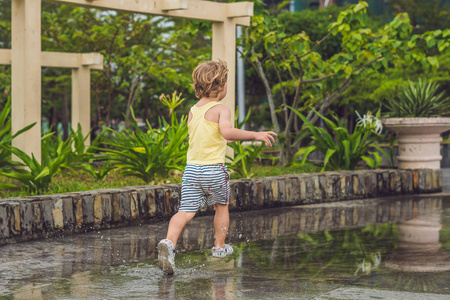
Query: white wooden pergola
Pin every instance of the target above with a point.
(27, 59)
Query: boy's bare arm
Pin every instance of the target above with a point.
(235, 134)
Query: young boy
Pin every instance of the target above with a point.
(205, 179)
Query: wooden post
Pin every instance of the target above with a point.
(81, 100)
(26, 74)
(224, 47)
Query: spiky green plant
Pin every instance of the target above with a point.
(419, 99)
(151, 154)
(34, 176)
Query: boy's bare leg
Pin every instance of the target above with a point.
(176, 225)
(221, 224)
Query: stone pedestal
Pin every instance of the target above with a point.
(418, 141)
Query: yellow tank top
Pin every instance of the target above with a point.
(206, 145)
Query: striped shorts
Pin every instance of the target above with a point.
(204, 184)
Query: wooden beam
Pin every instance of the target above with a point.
(5, 56)
(239, 9)
(173, 4)
(196, 9)
(61, 60)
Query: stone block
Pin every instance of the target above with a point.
(415, 181)
(428, 186)
(439, 179)
(68, 213)
(317, 194)
(252, 195)
(38, 223)
(160, 196)
(47, 214)
(14, 218)
(125, 206)
(175, 197)
(349, 188)
(302, 189)
(26, 218)
(260, 191)
(57, 211)
(333, 186)
(289, 191)
(134, 205)
(274, 184)
(371, 183)
(295, 190)
(107, 215)
(395, 182)
(407, 181)
(281, 190)
(88, 209)
(323, 187)
(310, 190)
(4, 224)
(143, 204)
(78, 210)
(116, 208)
(383, 182)
(241, 194)
(151, 200)
(98, 209)
(421, 182)
(268, 193)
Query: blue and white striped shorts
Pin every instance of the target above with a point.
(204, 184)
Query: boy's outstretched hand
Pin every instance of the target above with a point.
(267, 137)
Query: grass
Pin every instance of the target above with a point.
(77, 181)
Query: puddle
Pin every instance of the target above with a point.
(321, 251)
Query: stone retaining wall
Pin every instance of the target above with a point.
(54, 215)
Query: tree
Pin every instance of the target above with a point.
(306, 80)
(425, 15)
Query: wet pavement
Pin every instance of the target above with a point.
(387, 248)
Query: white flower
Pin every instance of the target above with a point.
(370, 120)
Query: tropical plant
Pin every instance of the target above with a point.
(84, 157)
(5, 135)
(343, 150)
(34, 176)
(148, 155)
(419, 99)
(245, 155)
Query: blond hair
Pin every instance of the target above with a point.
(209, 78)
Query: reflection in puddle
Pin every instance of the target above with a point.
(279, 253)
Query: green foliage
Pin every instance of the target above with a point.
(419, 99)
(34, 176)
(305, 79)
(148, 155)
(5, 135)
(245, 155)
(342, 150)
(425, 15)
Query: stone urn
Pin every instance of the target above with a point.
(419, 141)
